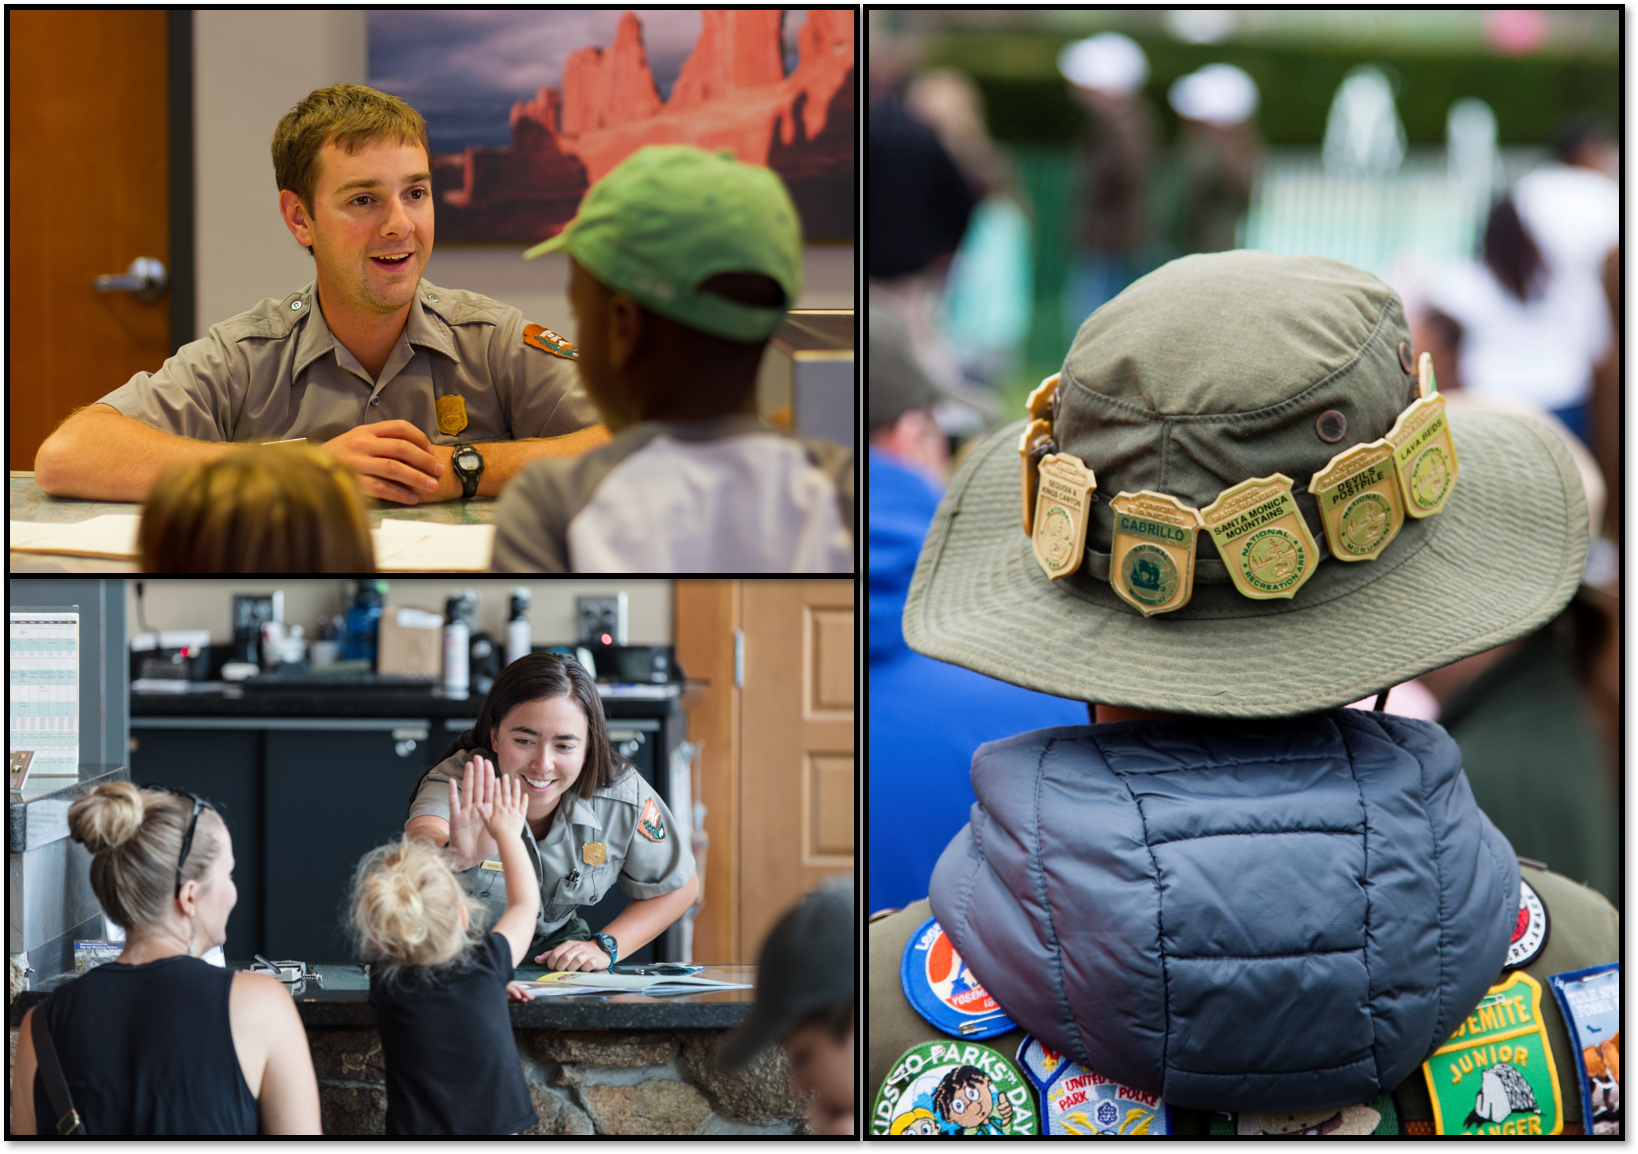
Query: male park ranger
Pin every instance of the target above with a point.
(426, 393)
(1230, 905)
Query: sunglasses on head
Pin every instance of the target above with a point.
(199, 803)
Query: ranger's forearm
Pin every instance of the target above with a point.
(100, 454)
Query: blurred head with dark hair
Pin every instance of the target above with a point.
(1582, 139)
(1511, 253)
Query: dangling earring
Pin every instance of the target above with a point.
(190, 933)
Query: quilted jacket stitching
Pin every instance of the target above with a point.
(1038, 869)
(1364, 885)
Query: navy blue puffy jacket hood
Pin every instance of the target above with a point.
(1262, 915)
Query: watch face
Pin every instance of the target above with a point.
(468, 459)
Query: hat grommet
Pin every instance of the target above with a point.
(1331, 426)
(1406, 361)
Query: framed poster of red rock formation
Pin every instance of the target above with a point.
(526, 108)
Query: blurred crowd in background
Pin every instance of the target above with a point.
(1025, 167)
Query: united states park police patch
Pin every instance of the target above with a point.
(1075, 1100)
(1495, 1075)
(1529, 930)
(944, 991)
(953, 1088)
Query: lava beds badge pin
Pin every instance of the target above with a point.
(953, 1088)
(1496, 1073)
(1591, 1001)
(943, 990)
(1075, 1100)
(1424, 456)
(1264, 541)
(547, 341)
(1067, 490)
(1151, 564)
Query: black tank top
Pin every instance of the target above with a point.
(148, 1050)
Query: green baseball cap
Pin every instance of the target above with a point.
(1224, 370)
(671, 216)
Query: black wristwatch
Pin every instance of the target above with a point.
(468, 464)
(610, 946)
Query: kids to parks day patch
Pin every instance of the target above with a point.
(943, 990)
(1075, 1100)
(547, 341)
(1529, 929)
(953, 1087)
(1495, 1075)
(1591, 1001)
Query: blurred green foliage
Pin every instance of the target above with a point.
(1028, 102)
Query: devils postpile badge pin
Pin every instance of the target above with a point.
(1075, 1100)
(1151, 564)
(943, 990)
(1062, 507)
(1496, 1073)
(953, 1088)
(1265, 543)
(1359, 501)
(1529, 929)
(1424, 456)
(1591, 1001)
(547, 341)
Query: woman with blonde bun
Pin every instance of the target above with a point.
(439, 985)
(159, 1041)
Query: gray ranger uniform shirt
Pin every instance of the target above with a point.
(644, 847)
(276, 372)
(730, 494)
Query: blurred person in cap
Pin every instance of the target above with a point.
(805, 1002)
(1229, 905)
(1220, 151)
(984, 309)
(683, 263)
(1108, 72)
(926, 717)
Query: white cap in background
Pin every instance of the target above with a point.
(1219, 94)
(1108, 62)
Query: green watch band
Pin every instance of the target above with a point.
(610, 946)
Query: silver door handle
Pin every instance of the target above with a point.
(146, 279)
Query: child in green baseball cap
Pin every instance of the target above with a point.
(682, 264)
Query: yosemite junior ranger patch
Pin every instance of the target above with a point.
(953, 1088)
(1151, 563)
(943, 990)
(1075, 1100)
(1265, 543)
(1496, 1075)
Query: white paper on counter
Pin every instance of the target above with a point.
(403, 546)
(110, 535)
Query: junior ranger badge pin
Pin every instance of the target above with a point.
(1264, 541)
(1424, 456)
(1151, 563)
(1061, 511)
(1359, 501)
(1034, 443)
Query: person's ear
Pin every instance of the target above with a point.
(295, 217)
(625, 332)
(188, 897)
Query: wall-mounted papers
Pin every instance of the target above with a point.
(44, 688)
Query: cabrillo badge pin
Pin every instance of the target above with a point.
(1423, 454)
(1151, 566)
(1359, 501)
(594, 853)
(1265, 543)
(1061, 511)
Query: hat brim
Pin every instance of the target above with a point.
(555, 244)
(1500, 561)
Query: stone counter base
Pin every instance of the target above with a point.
(582, 1082)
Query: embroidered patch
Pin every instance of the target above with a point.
(1591, 1001)
(650, 824)
(1075, 1100)
(944, 991)
(1374, 1117)
(1529, 930)
(1496, 1073)
(547, 341)
(594, 853)
(953, 1088)
(451, 414)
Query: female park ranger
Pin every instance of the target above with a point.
(592, 818)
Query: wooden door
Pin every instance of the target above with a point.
(797, 776)
(87, 144)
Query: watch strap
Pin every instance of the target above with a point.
(610, 946)
(469, 481)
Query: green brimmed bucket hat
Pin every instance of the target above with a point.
(1243, 497)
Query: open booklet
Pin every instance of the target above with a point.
(569, 982)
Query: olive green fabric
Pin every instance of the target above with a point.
(573, 930)
(1584, 931)
(1537, 766)
(1212, 370)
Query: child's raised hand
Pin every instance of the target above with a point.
(509, 808)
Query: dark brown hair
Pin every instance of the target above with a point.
(538, 677)
(1511, 253)
(835, 1019)
(263, 509)
(347, 114)
(955, 1080)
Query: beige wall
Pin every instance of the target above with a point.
(177, 604)
(250, 67)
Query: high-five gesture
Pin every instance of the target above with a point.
(470, 806)
(508, 810)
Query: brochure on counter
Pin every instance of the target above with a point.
(655, 986)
